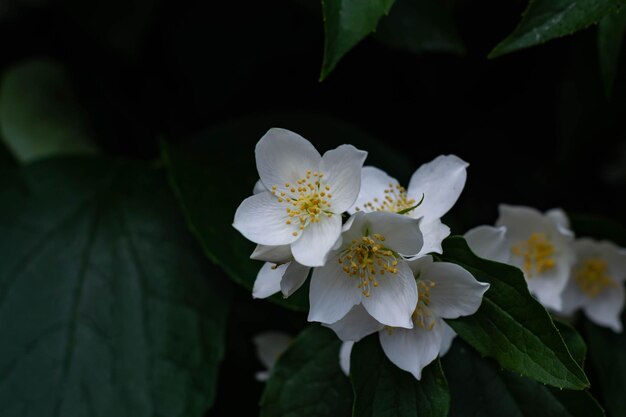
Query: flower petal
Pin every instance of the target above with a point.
(548, 288)
(283, 157)
(332, 293)
(412, 349)
(259, 187)
(402, 233)
(277, 254)
(267, 281)
(342, 170)
(441, 182)
(572, 298)
(374, 182)
(434, 232)
(344, 357)
(455, 292)
(606, 308)
(489, 242)
(446, 338)
(393, 301)
(294, 277)
(559, 217)
(355, 325)
(270, 345)
(262, 219)
(316, 241)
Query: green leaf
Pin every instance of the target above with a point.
(211, 180)
(383, 389)
(39, 114)
(544, 20)
(510, 325)
(479, 388)
(607, 353)
(346, 23)
(574, 341)
(307, 380)
(107, 307)
(610, 35)
(420, 26)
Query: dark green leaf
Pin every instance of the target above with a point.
(383, 390)
(217, 171)
(346, 23)
(544, 20)
(610, 35)
(39, 115)
(607, 353)
(480, 388)
(107, 306)
(574, 341)
(420, 26)
(307, 380)
(511, 326)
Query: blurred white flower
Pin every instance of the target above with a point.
(304, 198)
(438, 182)
(368, 267)
(279, 273)
(539, 244)
(596, 284)
(269, 347)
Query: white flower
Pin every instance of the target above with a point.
(280, 273)
(306, 194)
(438, 182)
(539, 244)
(269, 347)
(446, 291)
(369, 268)
(597, 283)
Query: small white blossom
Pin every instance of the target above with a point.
(439, 183)
(596, 284)
(304, 197)
(269, 347)
(280, 273)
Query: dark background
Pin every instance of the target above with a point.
(534, 125)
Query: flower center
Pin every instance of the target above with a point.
(422, 317)
(592, 277)
(395, 200)
(537, 253)
(306, 200)
(367, 258)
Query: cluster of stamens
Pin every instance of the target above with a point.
(422, 317)
(395, 200)
(306, 200)
(366, 259)
(592, 277)
(537, 253)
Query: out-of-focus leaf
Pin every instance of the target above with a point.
(346, 23)
(39, 115)
(307, 380)
(610, 36)
(383, 389)
(420, 26)
(510, 325)
(544, 20)
(107, 305)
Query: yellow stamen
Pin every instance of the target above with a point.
(537, 253)
(592, 277)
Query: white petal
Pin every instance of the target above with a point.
(344, 357)
(434, 232)
(412, 349)
(572, 298)
(355, 325)
(613, 255)
(441, 182)
(259, 187)
(342, 170)
(294, 277)
(489, 242)
(374, 182)
(606, 308)
(270, 345)
(262, 376)
(521, 222)
(446, 339)
(267, 281)
(559, 217)
(392, 303)
(262, 219)
(283, 157)
(276, 254)
(456, 292)
(332, 293)
(316, 241)
(402, 233)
